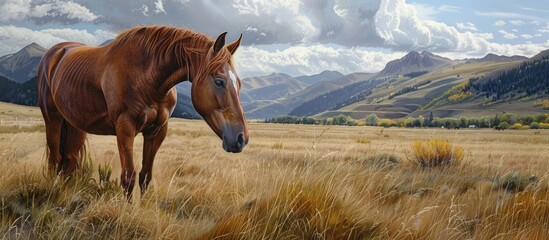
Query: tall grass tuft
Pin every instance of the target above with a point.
(435, 153)
(299, 211)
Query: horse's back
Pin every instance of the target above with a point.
(46, 69)
(68, 82)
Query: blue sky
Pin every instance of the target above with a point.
(520, 18)
(299, 37)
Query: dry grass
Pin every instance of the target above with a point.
(435, 153)
(291, 182)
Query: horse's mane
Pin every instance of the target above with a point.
(168, 44)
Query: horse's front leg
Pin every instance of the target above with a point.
(125, 134)
(152, 141)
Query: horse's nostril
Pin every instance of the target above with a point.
(240, 140)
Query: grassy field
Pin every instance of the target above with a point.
(291, 182)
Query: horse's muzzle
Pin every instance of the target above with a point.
(234, 144)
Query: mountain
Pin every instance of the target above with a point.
(284, 105)
(471, 89)
(184, 108)
(541, 55)
(497, 58)
(323, 76)
(528, 80)
(23, 65)
(414, 62)
(252, 83)
(270, 87)
(6, 86)
(106, 42)
(337, 98)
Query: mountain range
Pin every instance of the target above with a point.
(22, 66)
(416, 84)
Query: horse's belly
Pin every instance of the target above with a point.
(86, 111)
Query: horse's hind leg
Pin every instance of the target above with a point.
(72, 148)
(53, 122)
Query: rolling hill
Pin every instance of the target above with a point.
(284, 105)
(497, 58)
(473, 88)
(326, 75)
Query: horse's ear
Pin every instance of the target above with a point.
(219, 42)
(234, 45)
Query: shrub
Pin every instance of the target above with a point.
(503, 125)
(387, 123)
(515, 181)
(534, 125)
(519, 126)
(382, 161)
(435, 153)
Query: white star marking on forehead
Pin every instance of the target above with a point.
(233, 79)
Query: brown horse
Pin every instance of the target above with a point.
(127, 87)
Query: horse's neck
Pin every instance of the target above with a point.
(177, 70)
(179, 75)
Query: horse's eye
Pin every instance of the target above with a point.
(219, 82)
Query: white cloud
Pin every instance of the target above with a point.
(14, 10)
(507, 35)
(526, 36)
(15, 38)
(467, 26)
(508, 15)
(399, 25)
(517, 22)
(39, 11)
(535, 10)
(74, 11)
(500, 23)
(544, 29)
(312, 59)
(159, 7)
(19, 10)
(486, 36)
(527, 50)
(424, 11)
(144, 9)
(449, 8)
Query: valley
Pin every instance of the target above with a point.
(418, 84)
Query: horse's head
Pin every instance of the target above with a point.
(215, 95)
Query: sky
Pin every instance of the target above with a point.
(298, 37)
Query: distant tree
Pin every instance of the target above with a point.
(416, 122)
(430, 120)
(371, 120)
(463, 122)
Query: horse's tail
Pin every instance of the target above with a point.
(72, 148)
